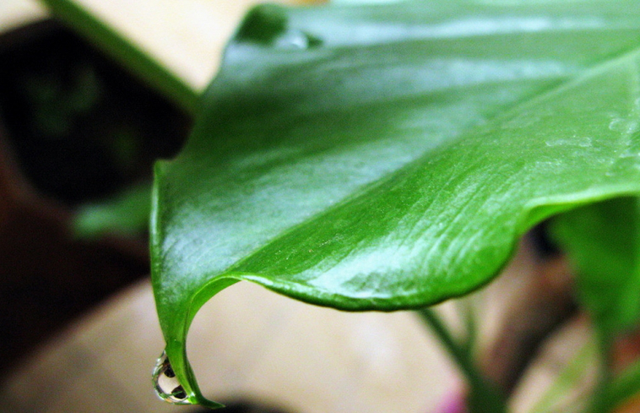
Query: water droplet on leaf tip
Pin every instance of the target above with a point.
(166, 384)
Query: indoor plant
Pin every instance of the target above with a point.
(387, 157)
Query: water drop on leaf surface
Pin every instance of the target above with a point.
(296, 39)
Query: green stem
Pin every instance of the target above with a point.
(605, 377)
(122, 50)
(575, 371)
(465, 308)
(484, 397)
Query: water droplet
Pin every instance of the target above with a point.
(269, 25)
(296, 39)
(166, 384)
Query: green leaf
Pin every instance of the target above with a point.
(602, 240)
(388, 157)
(127, 213)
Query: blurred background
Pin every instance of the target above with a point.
(78, 138)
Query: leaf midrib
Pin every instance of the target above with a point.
(362, 191)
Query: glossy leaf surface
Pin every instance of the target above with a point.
(388, 157)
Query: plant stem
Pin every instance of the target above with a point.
(466, 309)
(571, 374)
(125, 52)
(483, 397)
